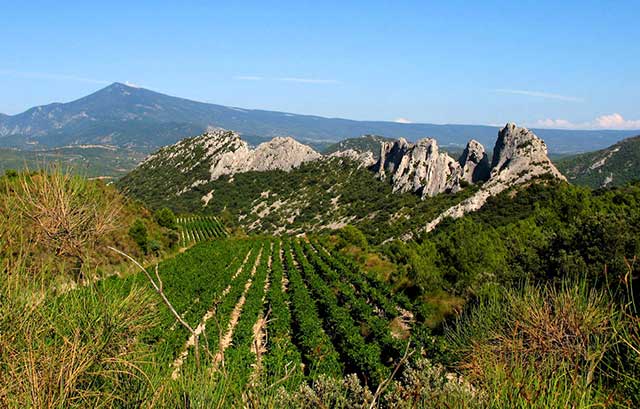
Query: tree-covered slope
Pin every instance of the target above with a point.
(614, 166)
(321, 194)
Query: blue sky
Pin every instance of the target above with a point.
(571, 64)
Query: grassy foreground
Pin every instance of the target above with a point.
(290, 323)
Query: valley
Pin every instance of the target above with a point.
(346, 278)
(319, 205)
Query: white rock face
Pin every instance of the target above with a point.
(519, 155)
(222, 152)
(418, 167)
(279, 153)
(474, 163)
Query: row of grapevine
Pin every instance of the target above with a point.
(319, 355)
(238, 358)
(358, 355)
(310, 312)
(377, 291)
(194, 229)
(230, 302)
(283, 357)
(210, 318)
(192, 281)
(373, 327)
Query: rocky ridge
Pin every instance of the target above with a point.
(219, 152)
(365, 159)
(518, 156)
(283, 153)
(421, 167)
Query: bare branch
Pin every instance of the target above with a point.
(158, 290)
(385, 384)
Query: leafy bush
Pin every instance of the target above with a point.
(350, 235)
(139, 234)
(166, 218)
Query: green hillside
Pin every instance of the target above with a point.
(319, 195)
(615, 166)
(365, 143)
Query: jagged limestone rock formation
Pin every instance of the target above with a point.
(419, 167)
(474, 163)
(217, 152)
(519, 155)
(283, 153)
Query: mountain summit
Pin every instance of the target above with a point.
(519, 156)
(219, 152)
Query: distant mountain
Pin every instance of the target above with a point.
(131, 117)
(614, 166)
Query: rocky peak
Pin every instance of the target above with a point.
(418, 167)
(284, 153)
(474, 163)
(519, 144)
(217, 152)
(519, 156)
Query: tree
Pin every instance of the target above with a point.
(138, 233)
(166, 218)
(352, 236)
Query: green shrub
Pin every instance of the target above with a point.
(166, 218)
(139, 234)
(350, 235)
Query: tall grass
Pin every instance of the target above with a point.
(543, 346)
(73, 350)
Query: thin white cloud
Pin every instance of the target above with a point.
(403, 121)
(50, 76)
(247, 78)
(538, 94)
(610, 121)
(308, 80)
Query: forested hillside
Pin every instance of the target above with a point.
(318, 195)
(614, 166)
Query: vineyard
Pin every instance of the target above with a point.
(274, 311)
(194, 229)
